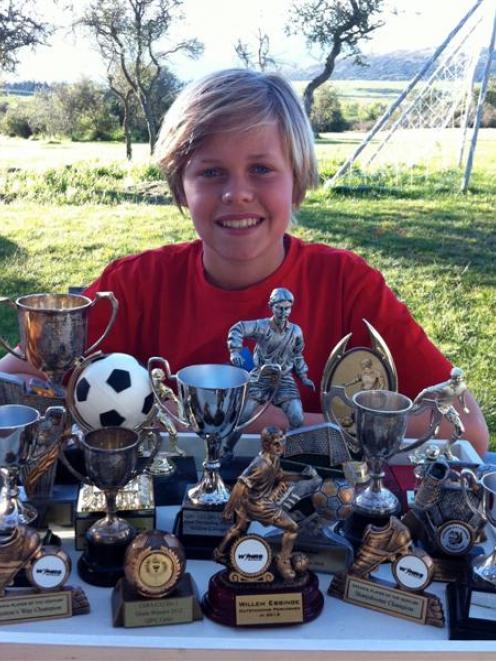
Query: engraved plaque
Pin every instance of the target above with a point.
(277, 608)
(29, 607)
(386, 599)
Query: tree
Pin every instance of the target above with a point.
(18, 28)
(261, 58)
(132, 35)
(336, 27)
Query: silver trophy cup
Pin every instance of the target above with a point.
(381, 418)
(53, 329)
(211, 399)
(483, 566)
(19, 431)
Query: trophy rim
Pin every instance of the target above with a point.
(232, 369)
(24, 407)
(126, 448)
(23, 302)
(492, 475)
(399, 396)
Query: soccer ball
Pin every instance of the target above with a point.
(333, 500)
(113, 391)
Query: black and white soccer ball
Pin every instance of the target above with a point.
(113, 391)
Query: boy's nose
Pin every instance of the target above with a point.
(236, 194)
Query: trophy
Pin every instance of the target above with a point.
(258, 588)
(446, 518)
(472, 602)
(52, 329)
(19, 432)
(111, 459)
(412, 571)
(380, 418)
(47, 569)
(155, 589)
(211, 401)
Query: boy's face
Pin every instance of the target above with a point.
(238, 186)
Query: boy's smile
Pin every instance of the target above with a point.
(238, 186)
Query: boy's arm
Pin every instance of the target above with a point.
(22, 368)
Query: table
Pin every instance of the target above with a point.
(342, 631)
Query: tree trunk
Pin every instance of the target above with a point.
(329, 64)
(127, 132)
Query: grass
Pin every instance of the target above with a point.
(63, 220)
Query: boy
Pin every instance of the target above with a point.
(237, 151)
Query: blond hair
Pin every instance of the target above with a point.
(233, 100)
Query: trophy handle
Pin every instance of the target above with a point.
(274, 371)
(115, 307)
(160, 391)
(436, 416)
(339, 392)
(469, 481)
(144, 462)
(57, 416)
(19, 352)
(63, 458)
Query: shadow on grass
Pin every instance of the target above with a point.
(7, 249)
(420, 236)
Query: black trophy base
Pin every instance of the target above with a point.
(102, 564)
(262, 604)
(200, 529)
(354, 526)
(471, 610)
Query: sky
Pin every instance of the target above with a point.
(419, 24)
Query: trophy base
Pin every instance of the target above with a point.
(129, 609)
(262, 604)
(28, 606)
(354, 526)
(102, 564)
(200, 529)
(378, 595)
(471, 610)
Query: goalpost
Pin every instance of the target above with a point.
(428, 125)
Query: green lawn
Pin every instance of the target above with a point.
(436, 248)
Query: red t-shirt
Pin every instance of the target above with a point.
(168, 308)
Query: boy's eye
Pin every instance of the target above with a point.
(260, 169)
(210, 172)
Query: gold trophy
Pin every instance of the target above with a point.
(155, 589)
(257, 588)
(412, 571)
(53, 330)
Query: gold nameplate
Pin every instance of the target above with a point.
(156, 612)
(278, 608)
(28, 607)
(392, 601)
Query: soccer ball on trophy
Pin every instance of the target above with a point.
(111, 390)
(333, 500)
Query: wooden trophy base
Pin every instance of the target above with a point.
(385, 597)
(200, 529)
(471, 610)
(102, 564)
(262, 604)
(129, 609)
(28, 606)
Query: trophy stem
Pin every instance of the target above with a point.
(12, 511)
(211, 489)
(376, 499)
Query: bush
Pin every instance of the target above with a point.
(16, 122)
(326, 115)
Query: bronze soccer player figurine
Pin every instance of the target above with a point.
(280, 342)
(257, 495)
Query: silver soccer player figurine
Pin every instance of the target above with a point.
(280, 342)
(445, 394)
